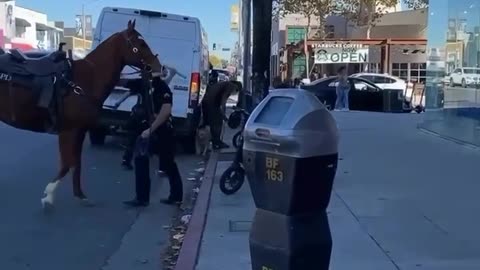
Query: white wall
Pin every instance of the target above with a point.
(32, 17)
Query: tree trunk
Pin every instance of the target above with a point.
(369, 31)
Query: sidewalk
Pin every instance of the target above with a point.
(402, 199)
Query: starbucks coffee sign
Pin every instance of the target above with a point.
(340, 53)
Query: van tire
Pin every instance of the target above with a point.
(190, 144)
(97, 136)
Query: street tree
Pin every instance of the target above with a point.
(416, 4)
(368, 12)
(317, 10)
(215, 60)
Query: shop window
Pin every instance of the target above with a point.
(373, 68)
(418, 72)
(400, 70)
(20, 31)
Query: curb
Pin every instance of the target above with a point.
(187, 259)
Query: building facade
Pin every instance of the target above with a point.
(27, 29)
(453, 69)
(406, 60)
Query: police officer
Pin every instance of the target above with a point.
(159, 139)
(213, 109)
(136, 124)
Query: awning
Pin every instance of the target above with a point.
(21, 46)
(43, 27)
(22, 22)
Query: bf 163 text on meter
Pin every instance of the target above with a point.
(273, 170)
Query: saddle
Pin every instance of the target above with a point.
(44, 75)
(20, 64)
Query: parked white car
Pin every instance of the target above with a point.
(386, 81)
(466, 76)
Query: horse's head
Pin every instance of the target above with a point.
(137, 53)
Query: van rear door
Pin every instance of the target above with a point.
(176, 42)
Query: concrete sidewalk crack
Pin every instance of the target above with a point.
(130, 228)
(385, 252)
(437, 226)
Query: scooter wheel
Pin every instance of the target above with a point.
(232, 180)
(236, 140)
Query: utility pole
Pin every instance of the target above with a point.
(246, 54)
(262, 30)
(84, 35)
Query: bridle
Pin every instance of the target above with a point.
(145, 67)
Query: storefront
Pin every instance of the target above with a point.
(453, 105)
(402, 57)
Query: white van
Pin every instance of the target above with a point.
(182, 46)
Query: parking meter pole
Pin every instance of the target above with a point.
(262, 27)
(290, 156)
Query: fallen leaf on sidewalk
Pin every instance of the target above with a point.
(178, 236)
(196, 190)
(201, 178)
(186, 219)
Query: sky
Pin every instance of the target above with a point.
(213, 14)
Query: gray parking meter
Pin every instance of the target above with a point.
(290, 155)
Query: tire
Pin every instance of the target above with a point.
(464, 83)
(97, 136)
(236, 140)
(451, 83)
(232, 180)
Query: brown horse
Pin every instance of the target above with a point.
(92, 80)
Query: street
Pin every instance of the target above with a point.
(458, 96)
(74, 237)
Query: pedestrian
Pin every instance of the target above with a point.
(157, 139)
(213, 77)
(296, 83)
(343, 89)
(213, 109)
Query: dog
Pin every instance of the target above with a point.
(203, 140)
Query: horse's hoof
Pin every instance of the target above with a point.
(47, 204)
(86, 202)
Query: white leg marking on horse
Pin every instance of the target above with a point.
(50, 193)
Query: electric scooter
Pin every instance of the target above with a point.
(232, 178)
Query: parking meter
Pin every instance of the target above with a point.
(290, 155)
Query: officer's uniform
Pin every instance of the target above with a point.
(161, 143)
